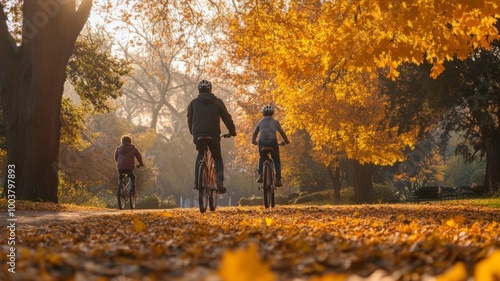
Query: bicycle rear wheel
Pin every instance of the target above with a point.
(212, 194)
(273, 187)
(121, 194)
(132, 199)
(267, 184)
(203, 187)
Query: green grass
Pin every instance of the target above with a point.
(484, 202)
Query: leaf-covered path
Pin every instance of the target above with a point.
(396, 242)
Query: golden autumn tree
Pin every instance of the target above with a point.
(325, 57)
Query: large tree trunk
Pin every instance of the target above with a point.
(492, 176)
(361, 176)
(334, 173)
(32, 77)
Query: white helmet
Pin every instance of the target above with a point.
(268, 109)
(205, 85)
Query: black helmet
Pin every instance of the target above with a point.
(205, 85)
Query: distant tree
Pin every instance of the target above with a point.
(464, 99)
(168, 46)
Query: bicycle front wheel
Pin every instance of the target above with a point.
(203, 187)
(267, 180)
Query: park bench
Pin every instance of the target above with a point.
(434, 193)
(468, 191)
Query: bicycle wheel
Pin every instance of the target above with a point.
(203, 187)
(212, 194)
(121, 194)
(132, 199)
(272, 189)
(267, 184)
(212, 199)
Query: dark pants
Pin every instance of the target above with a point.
(275, 156)
(215, 149)
(129, 173)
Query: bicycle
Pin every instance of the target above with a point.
(269, 177)
(124, 188)
(207, 185)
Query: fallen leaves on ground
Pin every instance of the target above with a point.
(365, 242)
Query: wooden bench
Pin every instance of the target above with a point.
(448, 193)
(434, 193)
(468, 192)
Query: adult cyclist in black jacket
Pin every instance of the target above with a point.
(204, 115)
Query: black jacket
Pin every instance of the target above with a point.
(204, 114)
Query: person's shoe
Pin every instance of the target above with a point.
(278, 183)
(259, 179)
(221, 189)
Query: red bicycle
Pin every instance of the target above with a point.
(207, 185)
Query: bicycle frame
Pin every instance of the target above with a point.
(269, 181)
(206, 182)
(210, 172)
(206, 179)
(269, 177)
(124, 191)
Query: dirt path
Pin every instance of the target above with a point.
(33, 218)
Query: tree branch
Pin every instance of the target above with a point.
(8, 48)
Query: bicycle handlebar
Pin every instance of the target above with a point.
(281, 143)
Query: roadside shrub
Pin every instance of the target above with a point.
(259, 201)
(77, 193)
(315, 197)
(382, 193)
(346, 194)
(280, 200)
(324, 197)
(153, 201)
(168, 203)
(252, 201)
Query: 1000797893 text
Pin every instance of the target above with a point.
(11, 221)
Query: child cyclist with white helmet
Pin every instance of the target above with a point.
(267, 127)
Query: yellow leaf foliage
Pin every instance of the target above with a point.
(244, 265)
(323, 60)
(488, 269)
(457, 273)
(138, 225)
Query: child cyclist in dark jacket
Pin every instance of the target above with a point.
(125, 156)
(267, 127)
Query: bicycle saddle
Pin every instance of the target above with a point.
(205, 139)
(267, 149)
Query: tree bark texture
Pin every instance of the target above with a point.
(32, 76)
(492, 176)
(334, 172)
(361, 176)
